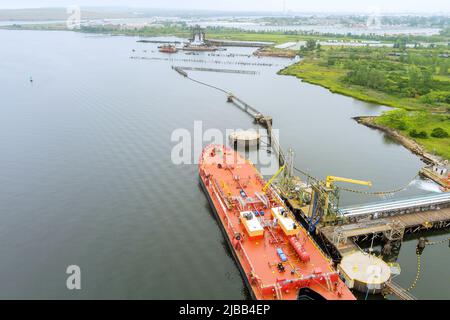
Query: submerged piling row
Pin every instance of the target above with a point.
(241, 63)
(258, 117)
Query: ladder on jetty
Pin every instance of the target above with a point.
(395, 289)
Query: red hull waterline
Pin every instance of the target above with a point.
(276, 256)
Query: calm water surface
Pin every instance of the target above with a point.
(86, 176)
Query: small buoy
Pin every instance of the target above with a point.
(31, 79)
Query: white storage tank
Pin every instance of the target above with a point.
(364, 272)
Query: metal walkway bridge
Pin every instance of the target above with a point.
(389, 219)
(397, 207)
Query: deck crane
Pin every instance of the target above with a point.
(322, 195)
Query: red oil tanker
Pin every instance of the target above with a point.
(276, 256)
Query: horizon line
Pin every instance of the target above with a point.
(289, 12)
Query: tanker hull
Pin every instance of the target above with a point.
(276, 256)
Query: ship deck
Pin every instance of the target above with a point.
(234, 186)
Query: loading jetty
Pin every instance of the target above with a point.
(233, 43)
(171, 59)
(388, 221)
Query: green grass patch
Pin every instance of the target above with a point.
(311, 71)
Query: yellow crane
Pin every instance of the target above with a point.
(323, 191)
(273, 178)
(329, 184)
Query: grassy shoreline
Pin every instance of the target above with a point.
(417, 117)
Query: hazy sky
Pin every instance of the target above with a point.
(253, 5)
